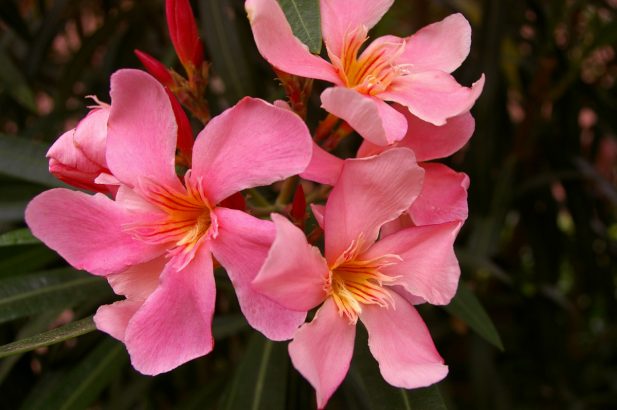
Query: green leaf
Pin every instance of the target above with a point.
(260, 379)
(25, 159)
(25, 259)
(82, 385)
(228, 325)
(305, 21)
(33, 327)
(467, 307)
(48, 338)
(34, 293)
(218, 19)
(14, 82)
(18, 237)
(370, 389)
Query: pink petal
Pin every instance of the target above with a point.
(253, 143)
(241, 248)
(318, 212)
(429, 268)
(321, 351)
(324, 167)
(87, 231)
(174, 325)
(339, 17)
(400, 223)
(443, 197)
(91, 135)
(139, 281)
(113, 319)
(368, 149)
(370, 192)
(402, 345)
(431, 142)
(439, 46)
(69, 164)
(433, 96)
(372, 118)
(294, 273)
(141, 141)
(278, 45)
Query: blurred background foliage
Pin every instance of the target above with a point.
(539, 249)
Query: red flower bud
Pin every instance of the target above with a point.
(156, 68)
(298, 207)
(185, 132)
(236, 201)
(184, 34)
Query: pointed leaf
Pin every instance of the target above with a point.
(261, 377)
(18, 237)
(218, 18)
(24, 159)
(25, 259)
(82, 385)
(49, 338)
(305, 21)
(56, 289)
(14, 82)
(468, 308)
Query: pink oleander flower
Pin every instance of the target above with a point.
(156, 240)
(413, 71)
(78, 156)
(444, 193)
(363, 277)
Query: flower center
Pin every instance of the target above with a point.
(355, 282)
(185, 218)
(374, 70)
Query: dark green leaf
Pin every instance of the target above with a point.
(261, 377)
(467, 307)
(25, 159)
(81, 386)
(370, 389)
(227, 325)
(14, 82)
(25, 259)
(51, 337)
(305, 21)
(18, 237)
(29, 294)
(219, 19)
(9, 13)
(33, 327)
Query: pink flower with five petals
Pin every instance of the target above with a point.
(155, 240)
(413, 71)
(361, 277)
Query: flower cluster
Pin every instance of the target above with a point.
(167, 206)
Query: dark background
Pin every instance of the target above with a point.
(539, 249)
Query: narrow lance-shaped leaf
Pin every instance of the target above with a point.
(49, 338)
(305, 21)
(18, 237)
(24, 159)
(261, 377)
(82, 385)
(468, 308)
(218, 20)
(26, 295)
(14, 82)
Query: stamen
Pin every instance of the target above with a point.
(185, 218)
(374, 70)
(355, 282)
